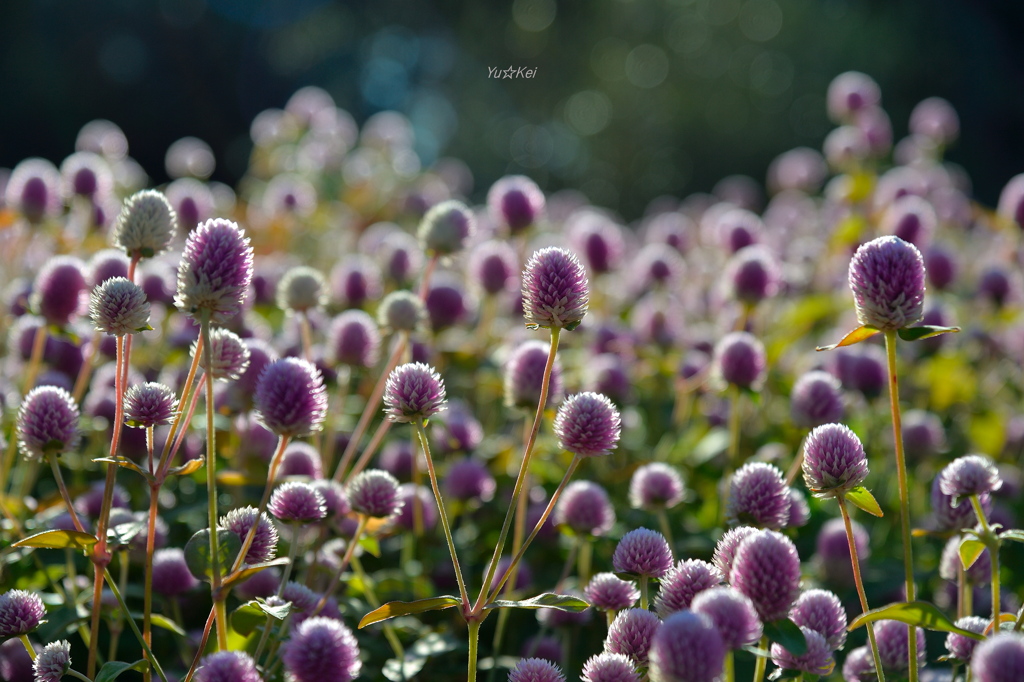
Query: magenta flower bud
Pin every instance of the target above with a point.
(401, 311)
(171, 576)
(458, 430)
(887, 280)
(401, 257)
(47, 423)
(912, 219)
(290, 398)
(119, 307)
(494, 266)
(21, 612)
(995, 285)
(834, 460)
(759, 496)
(631, 633)
(515, 202)
(322, 650)
(90, 503)
(877, 129)
(300, 459)
(1011, 200)
(674, 229)
(396, 458)
(936, 119)
(585, 508)
(34, 189)
(941, 267)
(962, 648)
(296, 502)
(149, 404)
(738, 228)
(821, 611)
(950, 564)
(725, 550)
(535, 670)
(59, 290)
(687, 648)
(15, 663)
(469, 479)
(608, 376)
(656, 486)
(354, 339)
(587, 424)
(413, 392)
(334, 497)
(301, 289)
(145, 227)
(969, 475)
(597, 238)
(264, 542)
(817, 660)
(409, 494)
(850, 92)
(289, 193)
(608, 667)
(682, 583)
(608, 592)
(523, 580)
(53, 662)
(356, 280)
(192, 201)
(107, 264)
(656, 266)
(86, 174)
(446, 305)
(227, 666)
(739, 360)
(446, 227)
(799, 510)
(767, 569)
(643, 552)
(802, 169)
(833, 550)
(556, 292)
(999, 658)
(816, 399)
(732, 613)
(859, 666)
(752, 274)
(524, 373)
(215, 271)
(374, 493)
(893, 639)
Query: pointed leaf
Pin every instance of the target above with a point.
(247, 571)
(862, 498)
(407, 608)
(166, 623)
(548, 600)
(58, 539)
(253, 614)
(918, 613)
(112, 669)
(123, 533)
(1016, 535)
(856, 336)
(371, 545)
(197, 552)
(759, 653)
(125, 464)
(788, 634)
(925, 331)
(188, 467)
(970, 550)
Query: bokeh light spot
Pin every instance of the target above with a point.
(646, 66)
(760, 20)
(771, 73)
(531, 146)
(533, 15)
(588, 112)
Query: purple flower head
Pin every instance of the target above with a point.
(401, 311)
(893, 639)
(656, 266)
(107, 264)
(767, 569)
(302, 598)
(609, 592)
(802, 169)
(631, 634)
(52, 662)
(301, 289)
(494, 266)
(876, 126)
(297, 502)
(759, 496)
(300, 459)
(515, 202)
(887, 280)
(941, 266)
(683, 583)
(15, 663)
(816, 399)
(400, 257)
(738, 228)
(290, 398)
(47, 422)
(413, 392)
(597, 238)
(524, 578)
(673, 229)
(643, 552)
(411, 495)
(458, 430)
(227, 666)
(608, 376)
(21, 612)
(261, 354)
(524, 373)
(834, 460)
(289, 193)
(687, 648)
(119, 307)
(59, 290)
(999, 658)
(192, 201)
(995, 285)
(608, 667)
(469, 479)
(446, 304)
(86, 174)
(833, 550)
(264, 542)
(171, 576)
(322, 650)
(752, 274)
(396, 458)
(969, 475)
(355, 281)
(859, 666)
(732, 613)
(145, 226)
(230, 355)
(821, 611)
(1011, 200)
(817, 660)
(950, 564)
(34, 189)
(556, 292)
(354, 339)
(799, 510)
(961, 647)
(739, 360)
(588, 424)
(656, 486)
(936, 119)
(725, 550)
(446, 227)
(90, 502)
(912, 219)
(585, 508)
(535, 670)
(333, 493)
(923, 434)
(374, 493)
(850, 92)
(215, 271)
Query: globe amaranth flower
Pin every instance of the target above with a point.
(59, 290)
(588, 424)
(923, 433)
(53, 662)
(106, 264)
(297, 502)
(834, 460)
(585, 508)
(355, 280)
(683, 583)
(556, 292)
(494, 266)
(609, 592)
(687, 648)
(887, 280)
(374, 493)
(469, 479)
(515, 202)
(322, 650)
(609, 667)
(732, 613)
(290, 398)
(411, 496)
(950, 564)
(893, 638)
(535, 670)
(758, 495)
(300, 459)
(458, 430)
(1011, 200)
(859, 666)
(401, 311)
(999, 658)
(149, 404)
(47, 422)
(816, 399)
(413, 392)
(817, 660)
(961, 647)
(540, 646)
(227, 666)
(354, 340)
(264, 542)
(656, 486)
(215, 271)
(851, 92)
(119, 307)
(524, 375)
(969, 475)
(145, 226)
(446, 227)
(21, 612)
(631, 634)
(799, 510)
(643, 552)
(821, 611)
(33, 189)
(725, 550)
(739, 360)
(171, 576)
(301, 289)
(767, 569)
(753, 274)
(230, 355)
(950, 517)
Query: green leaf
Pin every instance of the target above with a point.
(788, 634)
(125, 464)
(370, 544)
(59, 539)
(113, 669)
(970, 550)
(407, 608)
(253, 614)
(166, 623)
(856, 336)
(123, 533)
(247, 571)
(197, 552)
(925, 331)
(758, 652)
(188, 467)
(918, 613)
(548, 600)
(862, 498)
(1015, 535)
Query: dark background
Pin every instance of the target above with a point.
(632, 98)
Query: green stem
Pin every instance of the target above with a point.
(59, 478)
(28, 646)
(179, 421)
(733, 453)
(293, 549)
(729, 674)
(761, 663)
(474, 644)
(585, 560)
(211, 489)
(349, 552)
(992, 542)
(666, 530)
(135, 628)
(644, 603)
(859, 581)
(901, 475)
(75, 673)
(371, 448)
(147, 596)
